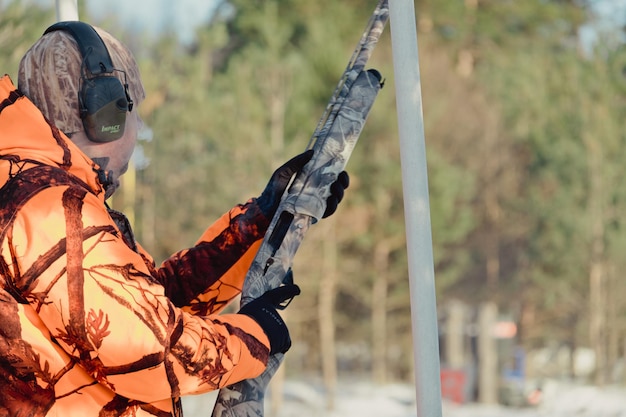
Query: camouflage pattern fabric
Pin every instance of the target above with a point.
(89, 325)
(51, 71)
(333, 141)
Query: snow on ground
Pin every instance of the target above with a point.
(363, 399)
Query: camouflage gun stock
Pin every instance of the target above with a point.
(304, 203)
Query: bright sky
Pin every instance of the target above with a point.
(183, 16)
(151, 16)
(155, 15)
(611, 14)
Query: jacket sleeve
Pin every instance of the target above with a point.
(207, 276)
(100, 303)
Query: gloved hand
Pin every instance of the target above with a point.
(337, 189)
(269, 200)
(263, 311)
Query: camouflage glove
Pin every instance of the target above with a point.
(269, 200)
(263, 311)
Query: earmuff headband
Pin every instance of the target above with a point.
(103, 99)
(95, 54)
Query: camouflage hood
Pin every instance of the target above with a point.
(50, 75)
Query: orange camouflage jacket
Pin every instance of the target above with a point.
(89, 326)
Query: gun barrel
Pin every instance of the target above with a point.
(356, 64)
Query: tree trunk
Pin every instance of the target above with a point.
(487, 355)
(597, 273)
(379, 312)
(455, 350)
(380, 287)
(613, 331)
(597, 320)
(326, 303)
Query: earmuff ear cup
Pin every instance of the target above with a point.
(103, 99)
(103, 108)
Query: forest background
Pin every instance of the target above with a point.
(525, 135)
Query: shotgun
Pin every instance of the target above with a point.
(304, 202)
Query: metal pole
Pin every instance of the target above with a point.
(416, 207)
(66, 10)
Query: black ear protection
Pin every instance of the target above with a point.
(103, 99)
